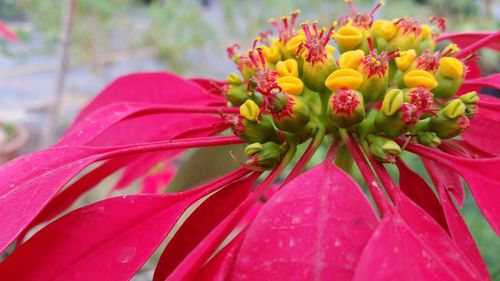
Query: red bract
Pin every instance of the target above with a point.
(7, 33)
(252, 225)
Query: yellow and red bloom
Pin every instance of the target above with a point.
(389, 91)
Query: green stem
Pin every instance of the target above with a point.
(308, 154)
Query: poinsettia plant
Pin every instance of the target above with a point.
(388, 88)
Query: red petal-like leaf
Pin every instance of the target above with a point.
(428, 232)
(69, 195)
(122, 123)
(417, 189)
(140, 165)
(484, 130)
(492, 81)
(314, 228)
(207, 216)
(29, 182)
(443, 176)
(99, 242)
(153, 87)
(7, 33)
(464, 39)
(461, 234)
(212, 87)
(219, 266)
(396, 252)
(480, 174)
(158, 181)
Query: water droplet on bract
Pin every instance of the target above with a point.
(126, 254)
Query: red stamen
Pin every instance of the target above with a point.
(370, 44)
(352, 7)
(377, 6)
(440, 22)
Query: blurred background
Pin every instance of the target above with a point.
(68, 50)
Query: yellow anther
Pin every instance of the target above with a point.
(271, 54)
(392, 102)
(344, 78)
(294, 43)
(426, 31)
(451, 67)
(385, 29)
(348, 37)
(454, 109)
(405, 59)
(351, 59)
(420, 78)
(288, 68)
(291, 84)
(250, 110)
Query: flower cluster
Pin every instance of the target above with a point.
(387, 83)
(386, 89)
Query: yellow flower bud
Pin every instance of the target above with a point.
(351, 59)
(451, 67)
(291, 84)
(385, 29)
(454, 109)
(293, 44)
(271, 54)
(288, 67)
(250, 110)
(392, 102)
(426, 31)
(420, 78)
(344, 78)
(405, 59)
(348, 37)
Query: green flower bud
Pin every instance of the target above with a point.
(428, 139)
(346, 108)
(449, 77)
(237, 94)
(290, 113)
(264, 156)
(253, 131)
(374, 87)
(253, 148)
(392, 102)
(400, 122)
(234, 79)
(470, 98)
(384, 149)
(314, 75)
(450, 121)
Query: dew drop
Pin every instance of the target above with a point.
(127, 254)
